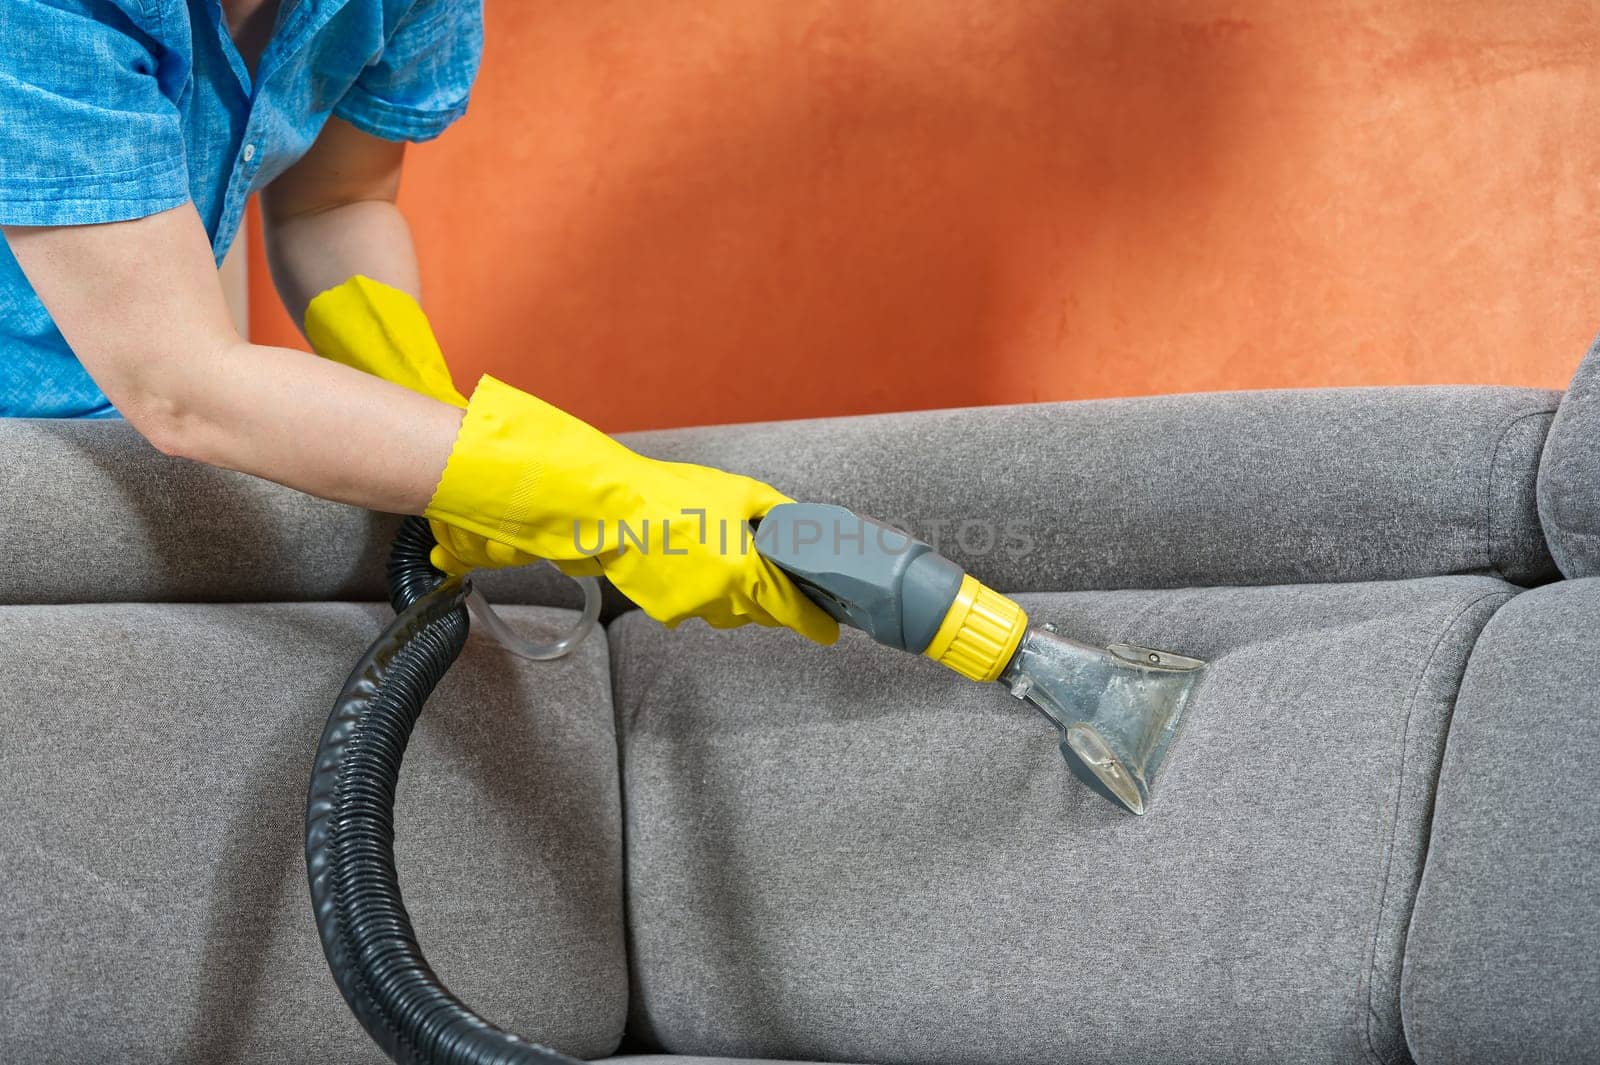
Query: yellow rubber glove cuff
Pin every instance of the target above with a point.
(380, 330)
(672, 536)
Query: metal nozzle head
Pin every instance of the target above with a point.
(1118, 708)
(1129, 787)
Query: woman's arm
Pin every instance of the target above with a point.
(333, 214)
(141, 306)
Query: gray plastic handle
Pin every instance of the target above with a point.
(869, 575)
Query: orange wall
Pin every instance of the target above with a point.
(663, 213)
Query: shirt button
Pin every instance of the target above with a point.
(249, 152)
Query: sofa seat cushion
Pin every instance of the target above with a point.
(154, 904)
(1502, 963)
(851, 854)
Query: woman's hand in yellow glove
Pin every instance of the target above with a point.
(672, 536)
(586, 485)
(380, 330)
(459, 551)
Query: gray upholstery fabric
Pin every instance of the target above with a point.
(1569, 478)
(1242, 488)
(1502, 964)
(101, 516)
(154, 905)
(673, 1059)
(851, 854)
(1172, 491)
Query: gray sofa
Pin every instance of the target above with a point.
(1375, 841)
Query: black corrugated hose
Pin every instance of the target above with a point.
(366, 932)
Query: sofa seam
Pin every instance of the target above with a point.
(1410, 971)
(626, 725)
(1488, 488)
(1371, 962)
(613, 656)
(1405, 1033)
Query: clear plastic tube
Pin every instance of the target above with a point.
(507, 637)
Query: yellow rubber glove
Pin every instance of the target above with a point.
(380, 330)
(670, 535)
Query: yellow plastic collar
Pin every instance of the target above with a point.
(980, 632)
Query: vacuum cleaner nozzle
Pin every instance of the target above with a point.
(1117, 708)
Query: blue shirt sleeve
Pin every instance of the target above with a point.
(419, 84)
(86, 132)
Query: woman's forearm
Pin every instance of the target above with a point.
(140, 304)
(333, 214)
(315, 426)
(316, 250)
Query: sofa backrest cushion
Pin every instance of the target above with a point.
(94, 514)
(1233, 488)
(1569, 477)
(1171, 491)
(1502, 963)
(851, 854)
(153, 898)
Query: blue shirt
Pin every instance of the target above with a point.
(118, 109)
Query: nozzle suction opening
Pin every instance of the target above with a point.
(1117, 708)
(1125, 786)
